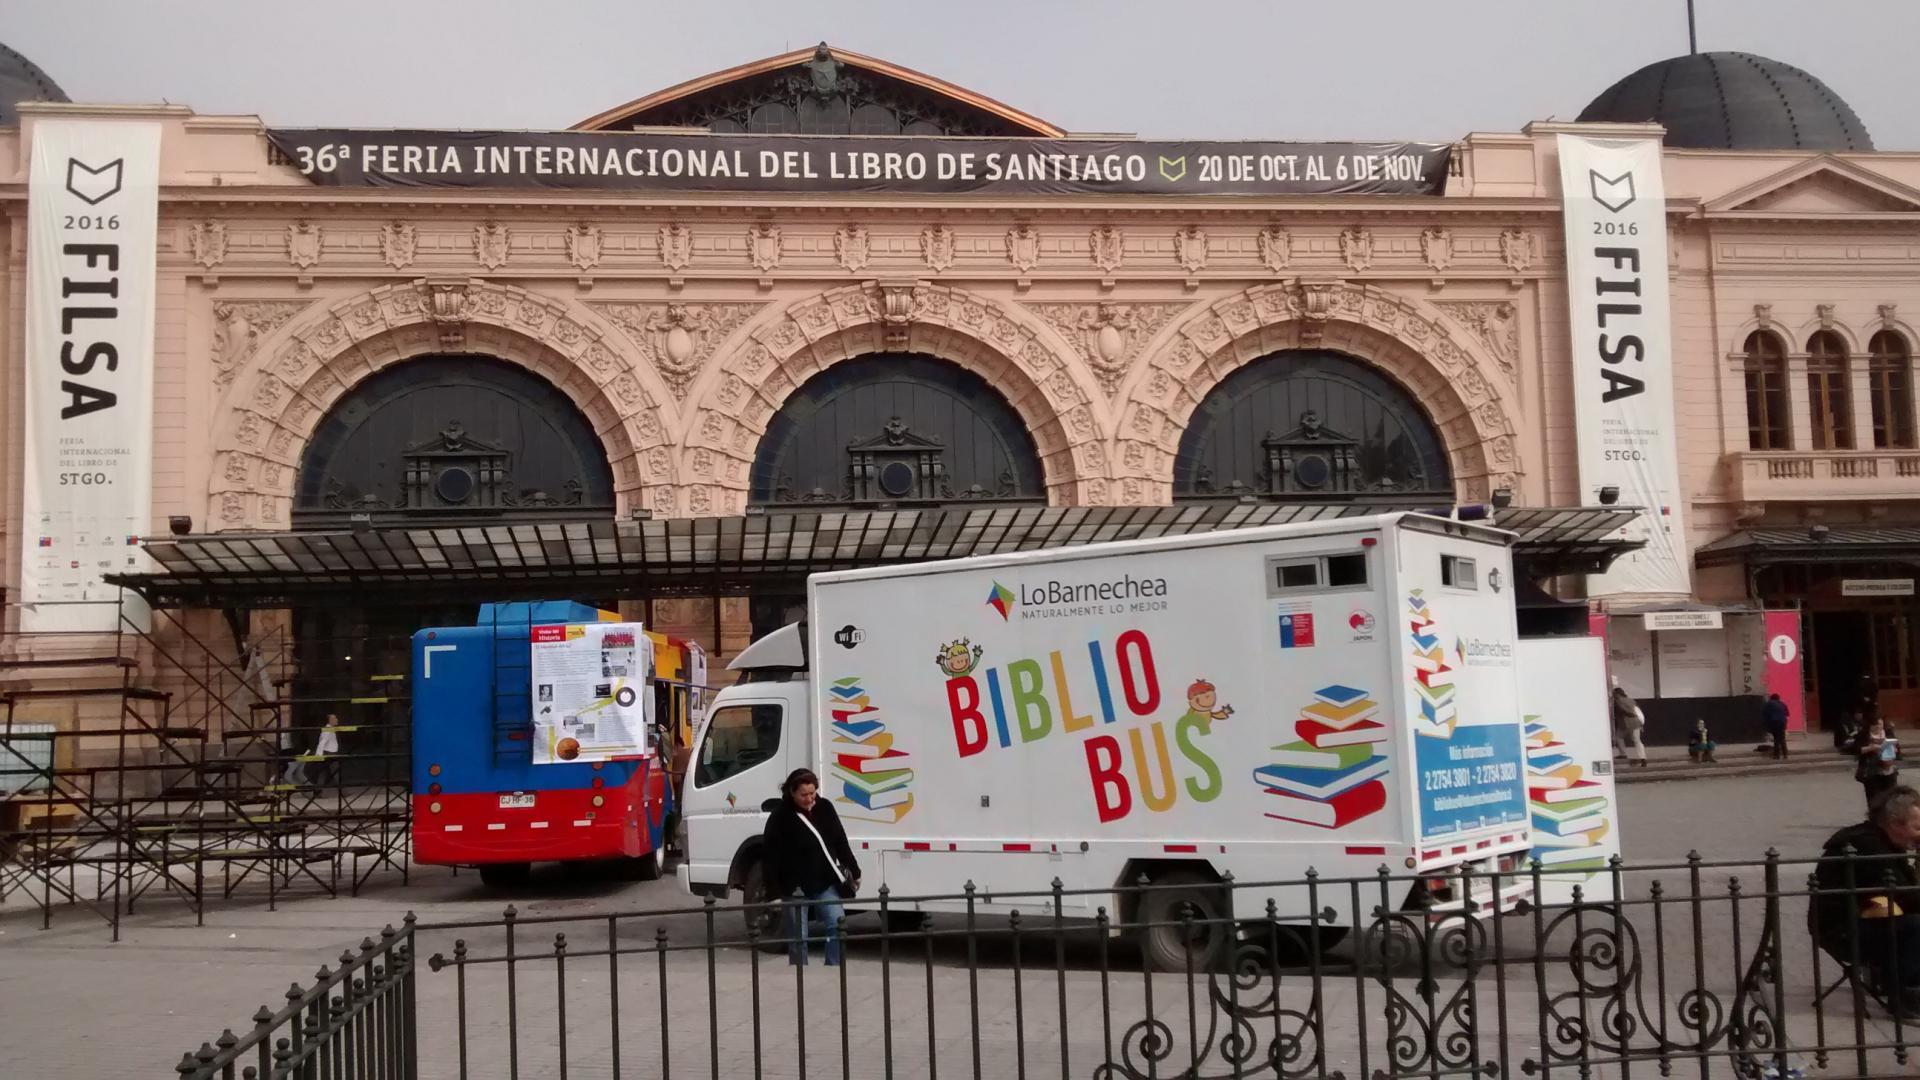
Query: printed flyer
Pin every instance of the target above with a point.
(591, 692)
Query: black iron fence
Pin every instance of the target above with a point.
(1749, 969)
(357, 1021)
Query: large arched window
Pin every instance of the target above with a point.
(896, 428)
(1311, 424)
(1890, 384)
(1829, 402)
(1769, 427)
(452, 438)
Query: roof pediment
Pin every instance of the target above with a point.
(819, 73)
(1822, 186)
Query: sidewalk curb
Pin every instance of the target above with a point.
(1690, 771)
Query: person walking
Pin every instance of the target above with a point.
(1879, 763)
(1628, 723)
(1773, 716)
(807, 852)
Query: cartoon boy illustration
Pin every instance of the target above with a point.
(1202, 699)
(955, 660)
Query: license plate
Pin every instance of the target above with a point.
(518, 800)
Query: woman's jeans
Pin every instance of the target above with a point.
(825, 907)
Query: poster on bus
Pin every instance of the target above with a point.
(591, 692)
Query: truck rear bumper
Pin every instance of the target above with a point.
(471, 829)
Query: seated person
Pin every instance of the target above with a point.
(1883, 905)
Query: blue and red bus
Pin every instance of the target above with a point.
(479, 799)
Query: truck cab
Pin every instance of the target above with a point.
(755, 732)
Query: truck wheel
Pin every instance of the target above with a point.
(505, 875)
(762, 921)
(1183, 922)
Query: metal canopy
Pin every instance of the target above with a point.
(611, 559)
(1814, 544)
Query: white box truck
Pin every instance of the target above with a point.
(1336, 695)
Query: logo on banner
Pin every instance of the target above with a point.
(1616, 193)
(1782, 649)
(94, 186)
(1174, 168)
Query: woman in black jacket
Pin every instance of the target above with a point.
(795, 860)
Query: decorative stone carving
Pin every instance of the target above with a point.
(852, 246)
(937, 247)
(763, 246)
(449, 306)
(676, 247)
(899, 306)
(303, 245)
(1887, 314)
(1106, 246)
(1023, 247)
(700, 501)
(1516, 249)
(1763, 314)
(1316, 307)
(492, 243)
(583, 246)
(1190, 249)
(1436, 246)
(233, 508)
(1108, 336)
(237, 329)
(1825, 313)
(208, 242)
(398, 242)
(1356, 248)
(677, 338)
(1276, 248)
(1496, 323)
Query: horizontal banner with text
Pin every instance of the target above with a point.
(614, 161)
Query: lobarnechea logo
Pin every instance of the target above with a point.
(1001, 600)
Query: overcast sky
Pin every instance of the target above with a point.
(1280, 69)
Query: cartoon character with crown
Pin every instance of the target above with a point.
(956, 659)
(1203, 705)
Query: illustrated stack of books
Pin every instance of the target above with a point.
(1330, 775)
(874, 775)
(1430, 671)
(1569, 811)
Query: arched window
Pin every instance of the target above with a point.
(1768, 425)
(1828, 400)
(452, 439)
(1890, 384)
(896, 427)
(1307, 425)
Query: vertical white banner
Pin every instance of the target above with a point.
(92, 208)
(1622, 328)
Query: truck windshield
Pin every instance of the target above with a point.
(738, 737)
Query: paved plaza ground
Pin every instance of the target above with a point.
(72, 1004)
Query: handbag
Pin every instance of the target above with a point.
(841, 885)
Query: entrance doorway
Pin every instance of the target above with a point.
(1840, 649)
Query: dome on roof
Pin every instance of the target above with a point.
(22, 80)
(1733, 101)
